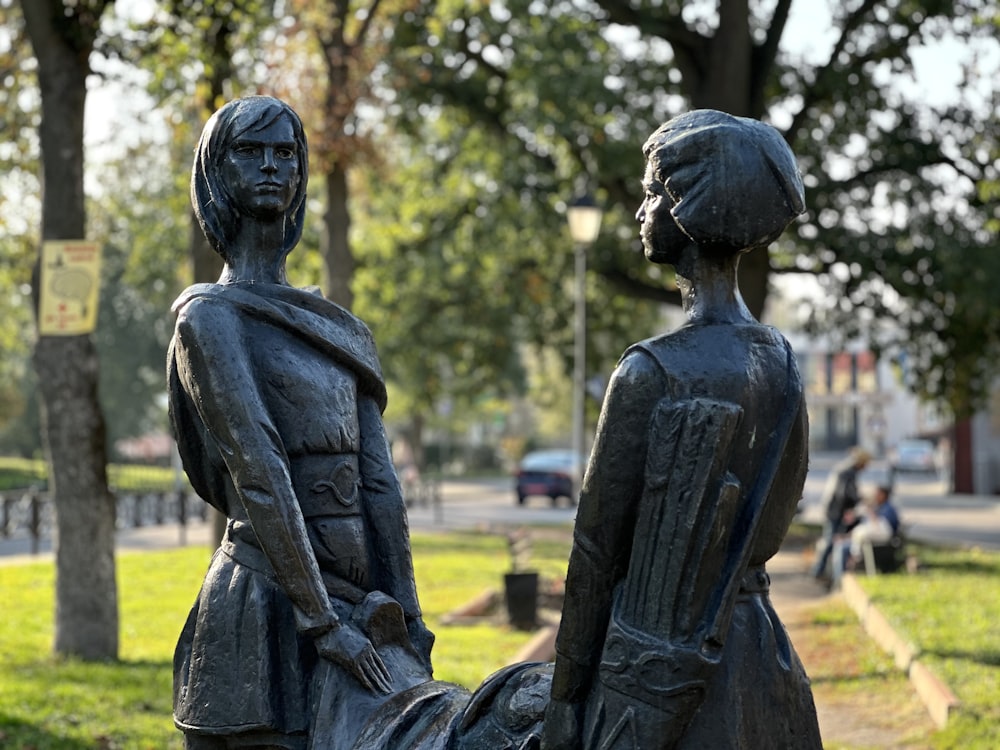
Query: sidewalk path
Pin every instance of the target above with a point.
(143, 538)
(860, 721)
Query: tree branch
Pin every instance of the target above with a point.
(690, 48)
(765, 54)
(360, 37)
(816, 92)
(636, 289)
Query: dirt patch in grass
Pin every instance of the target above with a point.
(862, 700)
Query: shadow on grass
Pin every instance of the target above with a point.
(15, 733)
(958, 566)
(867, 680)
(986, 658)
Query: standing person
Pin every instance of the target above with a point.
(308, 614)
(668, 638)
(840, 497)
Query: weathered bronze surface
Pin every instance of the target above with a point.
(668, 638)
(308, 614)
(307, 632)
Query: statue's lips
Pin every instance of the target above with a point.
(269, 187)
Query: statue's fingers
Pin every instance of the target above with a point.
(375, 682)
(379, 673)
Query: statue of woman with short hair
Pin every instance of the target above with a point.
(668, 638)
(308, 615)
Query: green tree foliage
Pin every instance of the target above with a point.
(466, 268)
(898, 219)
(19, 211)
(898, 229)
(144, 242)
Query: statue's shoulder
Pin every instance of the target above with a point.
(204, 313)
(705, 343)
(194, 296)
(639, 365)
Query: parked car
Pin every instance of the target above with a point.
(914, 456)
(549, 473)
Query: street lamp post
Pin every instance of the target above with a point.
(584, 217)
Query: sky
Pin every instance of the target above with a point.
(112, 112)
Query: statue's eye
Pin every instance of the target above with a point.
(245, 149)
(285, 153)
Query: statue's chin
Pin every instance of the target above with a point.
(660, 256)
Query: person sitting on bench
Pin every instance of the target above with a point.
(878, 525)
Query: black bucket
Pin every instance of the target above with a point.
(522, 599)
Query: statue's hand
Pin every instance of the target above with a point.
(562, 728)
(422, 640)
(349, 648)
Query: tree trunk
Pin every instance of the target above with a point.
(86, 616)
(220, 27)
(206, 264)
(336, 246)
(755, 279)
(726, 84)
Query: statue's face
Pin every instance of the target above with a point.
(662, 239)
(261, 170)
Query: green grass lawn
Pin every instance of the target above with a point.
(18, 473)
(950, 610)
(59, 704)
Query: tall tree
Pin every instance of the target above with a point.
(466, 271)
(62, 35)
(345, 35)
(863, 140)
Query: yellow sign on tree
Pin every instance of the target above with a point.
(70, 282)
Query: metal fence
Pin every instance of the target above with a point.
(29, 512)
(149, 495)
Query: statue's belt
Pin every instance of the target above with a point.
(326, 484)
(651, 667)
(253, 557)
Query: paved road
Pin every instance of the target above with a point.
(928, 510)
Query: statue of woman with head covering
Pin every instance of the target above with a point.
(668, 638)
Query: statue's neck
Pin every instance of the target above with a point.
(710, 292)
(257, 255)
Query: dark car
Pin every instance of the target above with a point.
(550, 473)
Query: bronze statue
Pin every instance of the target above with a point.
(307, 632)
(668, 638)
(308, 615)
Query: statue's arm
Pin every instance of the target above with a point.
(214, 369)
(386, 515)
(605, 521)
